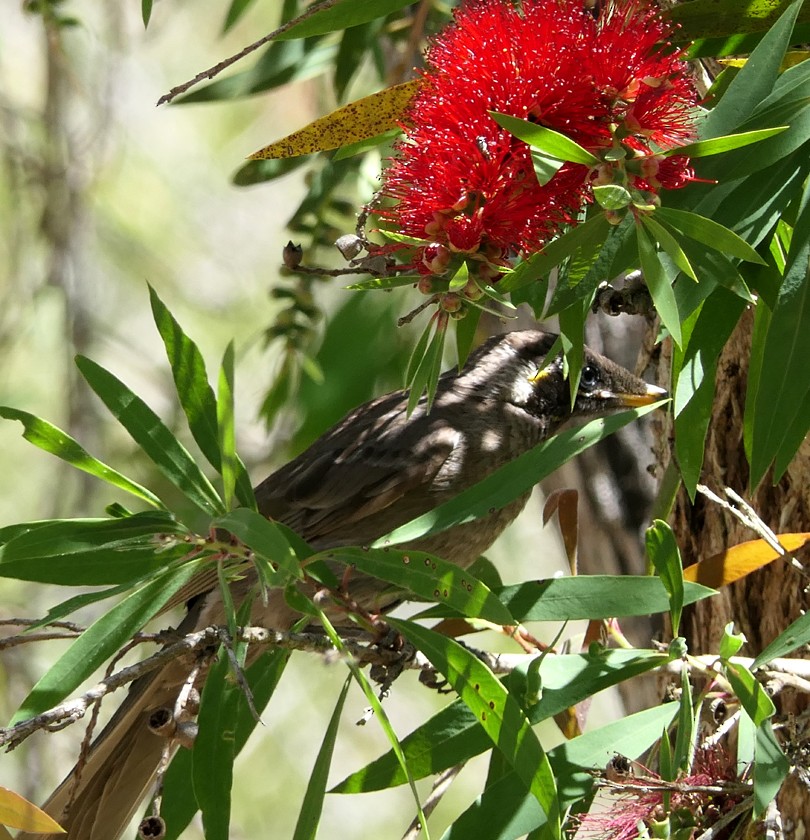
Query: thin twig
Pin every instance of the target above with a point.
(223, 65)
(440, 787)
(742, 511)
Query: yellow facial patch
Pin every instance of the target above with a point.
(541, 374)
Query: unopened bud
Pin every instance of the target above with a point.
(349, 245)
(152, 828)
(292, 255)
(436, 257)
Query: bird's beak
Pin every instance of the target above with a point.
(651, 395)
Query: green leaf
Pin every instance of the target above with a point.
(694, 389)
(466, 329)
(225, 423)
(752, 696)
(612, 196)
(545, 167)
(266, 539)
(506, 812)
(94, 552)
(731, 642)
(550, 142)
(666, 558)
(670, 245)
(196, 395)
(587, 237)
(587, 597)
(385, 282)
(341, 15)
(311, 807)
(103, 638)
(214, 748)
(783, 384)
(717, 145)
(756, 79)
(709, 233)
(770, 768)
(659, 284)
(683, 753)
(152, 435)
(426, 375)
(48, 437)
(178, 805)
(496, 711)
(146, 12)
(511, 480)
(453, 735)
(790, 639)
(427, 576)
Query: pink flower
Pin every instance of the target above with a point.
(461, 181)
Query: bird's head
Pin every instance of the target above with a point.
(535, 383)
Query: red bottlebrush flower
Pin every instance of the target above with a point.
(461, 180)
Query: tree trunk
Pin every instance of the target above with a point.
(764, 603)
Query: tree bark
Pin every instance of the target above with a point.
(763, 604)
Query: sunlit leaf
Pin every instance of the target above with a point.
(48, 437)
(548, 141)
(740, 560)
(18, 812)
(662, 549)
(367, 117)
(496, 711)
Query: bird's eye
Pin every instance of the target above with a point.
(589, 378)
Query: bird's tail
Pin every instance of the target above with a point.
(97, 800)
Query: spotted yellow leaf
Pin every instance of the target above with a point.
(740, 560)
(17, 812)
(359, 120)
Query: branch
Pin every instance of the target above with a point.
(223, 65)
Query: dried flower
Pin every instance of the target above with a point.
(608, 82)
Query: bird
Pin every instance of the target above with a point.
(373, 471)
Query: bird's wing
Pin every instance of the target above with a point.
(346, 492)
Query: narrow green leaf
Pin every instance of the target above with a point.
(754, 82)
(770, 768)
(341, 15)
(426, 375)
(709, 233)
(511, 480)
(195, 394)
(549, 142)
(103, 638)
(670, 244)
(311, 807)
(94, 552)
(496, 711)
(659, 284)
(783, 385)
(214, 748)
(179, 805)
(225, 424)
(588, 236)
(48, 437)
(790, 639)
(752, 696)
(453, 735)
(466, 329)
(666, 558)
(505, 811)
(717, 145)
(152, 435)
(731, 643)
(694, 389)
(572, 336)
(385, 282)
(588, 597)
(545, 166)
(427, 576)
(146, 12)
(265, 538)
(683, 752)
(417, 355)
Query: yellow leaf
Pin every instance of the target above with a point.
(356, 121)
(17, 812)
(740, 560)
(791, 59)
